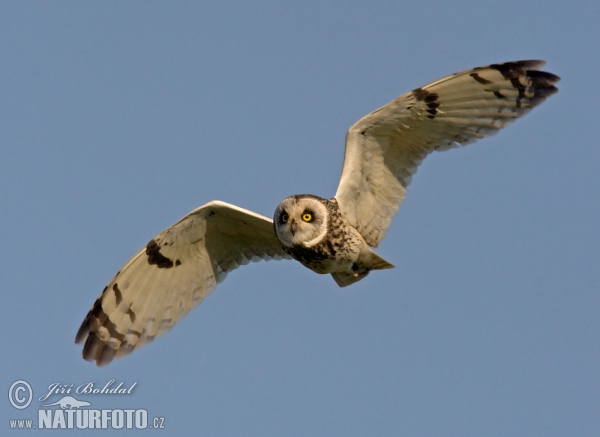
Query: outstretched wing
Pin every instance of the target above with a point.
(171, 275)
(384, 149)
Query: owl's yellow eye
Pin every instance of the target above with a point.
(307, 217)
(285, 218)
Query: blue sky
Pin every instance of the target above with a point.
(116, 119)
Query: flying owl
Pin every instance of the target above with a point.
(180, 266)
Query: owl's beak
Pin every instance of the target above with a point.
(293, 227)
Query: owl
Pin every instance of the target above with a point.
(180, 266)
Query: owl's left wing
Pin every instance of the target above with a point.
(384, 149)
(172, 275)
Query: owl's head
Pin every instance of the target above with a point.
(301, 220)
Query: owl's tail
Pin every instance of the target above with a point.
(364, 266)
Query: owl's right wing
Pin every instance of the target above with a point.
(173, 274)
(384, 149)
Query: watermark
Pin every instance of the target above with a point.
(20, 394)
(92, 387)
(62, 406)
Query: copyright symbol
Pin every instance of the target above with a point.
(20, 394)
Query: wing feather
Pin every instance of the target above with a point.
(172, 275)
(384, 149)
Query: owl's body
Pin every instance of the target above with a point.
(314, 231)
(184, 263)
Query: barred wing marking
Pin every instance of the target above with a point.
(384, 149)
(172, 275)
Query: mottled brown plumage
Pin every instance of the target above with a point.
(326, 243)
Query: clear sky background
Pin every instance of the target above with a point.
(118, 118)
